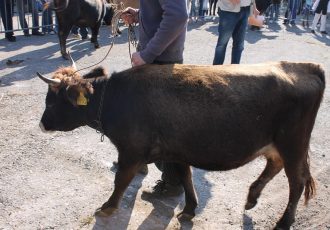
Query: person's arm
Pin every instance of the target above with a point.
(255, 10)
(174, 20)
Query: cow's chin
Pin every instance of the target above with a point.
(42, 127)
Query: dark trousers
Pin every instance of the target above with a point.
(169, 170)
(7, 16)
(82, 30)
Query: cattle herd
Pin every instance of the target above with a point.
(209, 117)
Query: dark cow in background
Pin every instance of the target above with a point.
(210, 117)
(86, 13)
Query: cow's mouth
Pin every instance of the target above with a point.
(42, 127)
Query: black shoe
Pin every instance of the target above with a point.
(27, 34)
(38, 33)
(11, 38)
(164, 189)
(323, 32)
(313, 31)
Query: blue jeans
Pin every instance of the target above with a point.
(231, 25)
(291, 12)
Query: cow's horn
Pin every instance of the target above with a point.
(72, 61)
(48, 80)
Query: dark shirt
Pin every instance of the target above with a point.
(162, 30)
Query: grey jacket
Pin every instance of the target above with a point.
(162, 30)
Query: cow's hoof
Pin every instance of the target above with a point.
(105, 212)
(65, 56)
(250, 205)
(183, 216)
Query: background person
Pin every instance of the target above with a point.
(320, 12)
(6, 9)
(35, 17)
(233, 20)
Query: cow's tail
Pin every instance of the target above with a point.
(316, 70)
(310, 188)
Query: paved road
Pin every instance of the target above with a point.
(27, 166)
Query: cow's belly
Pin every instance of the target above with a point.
(223, 161)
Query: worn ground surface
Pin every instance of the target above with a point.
(57, 181)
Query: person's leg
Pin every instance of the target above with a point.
(295, 5)
(227, 22)
(7, 19)
(315, 21)
(21, 15)
(74, 29)
(83, 32)
(35, 18)
(239, 36)
(323, 22)
(200, 11)
(277, 11)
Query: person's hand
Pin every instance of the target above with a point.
(130, 15)
(137, 60)
(235, 2)
(45, 6)
(255, 12)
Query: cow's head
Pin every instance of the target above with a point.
(67, 98)
(109, 13)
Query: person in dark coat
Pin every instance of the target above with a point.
(6, 7)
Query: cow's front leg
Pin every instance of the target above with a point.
(190, 195)
(63, 34)
(95, 31)
(124, 176)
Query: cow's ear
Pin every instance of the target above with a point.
(77, 97)
(97, 72)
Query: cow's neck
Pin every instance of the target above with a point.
(95, 106)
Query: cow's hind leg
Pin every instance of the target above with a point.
(124, 176)
(274, 166)
(190, 195)
(297, 171)
(95, 31)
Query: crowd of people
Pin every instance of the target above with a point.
(38, 9)
(22, 7)
(198, 10)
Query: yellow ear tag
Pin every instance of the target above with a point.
(81, 100)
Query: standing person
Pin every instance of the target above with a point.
(35, 17)
(233, 20)
(6, 9)
(291, 12)
(273, 11)
(320, 12)
(47, 18)
(162, 33)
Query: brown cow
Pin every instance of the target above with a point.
(210, 117)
